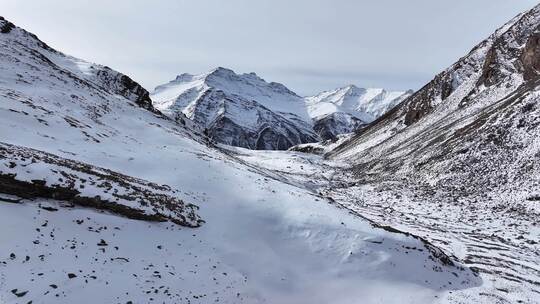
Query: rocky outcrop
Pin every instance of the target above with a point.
(421, 102)
(330, 126)
(530, 58)
(30, 174)
(123, 85)
(5, 26)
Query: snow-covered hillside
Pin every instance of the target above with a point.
(96, 158)
(458, 161)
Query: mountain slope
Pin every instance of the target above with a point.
(491, 89)
(72, 137)
(465, 150)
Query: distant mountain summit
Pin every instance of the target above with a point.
(366, 104)
(240, 110)
(274, 96)
(244, 110)
(345, 109)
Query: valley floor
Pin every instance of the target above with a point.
(498, 238)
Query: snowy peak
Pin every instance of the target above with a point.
(273, 96)
(366, 104)
(345, 110)
(238, 109)
(247, 83)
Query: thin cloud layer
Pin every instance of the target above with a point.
(309, 45)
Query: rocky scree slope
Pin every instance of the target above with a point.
(464, 149)
(476, 121)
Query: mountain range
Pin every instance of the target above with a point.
(111, 193)
(244, 110)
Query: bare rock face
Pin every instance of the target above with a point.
(530, 58)
(235, 121)
(125, 86)
(330, 126)
(421, 102)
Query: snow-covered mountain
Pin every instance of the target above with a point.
(482, 103)
(246, 111)
(459, 161)
(345, 109)
(239, 110)
(105, 200)
(364, 104)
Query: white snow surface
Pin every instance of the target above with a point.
(267, 238)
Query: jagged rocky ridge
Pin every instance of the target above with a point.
(246, 111)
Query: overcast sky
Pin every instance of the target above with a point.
(309, 45)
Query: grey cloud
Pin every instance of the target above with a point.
(309, 45)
